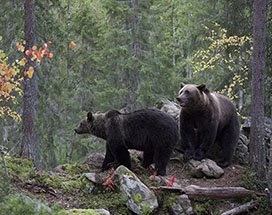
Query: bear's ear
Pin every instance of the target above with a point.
(182, 85)
(89, 116)
(202, 88)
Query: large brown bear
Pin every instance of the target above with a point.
(205, 118)
(149, 130)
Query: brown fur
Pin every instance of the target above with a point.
(149, 130)
(205, 118)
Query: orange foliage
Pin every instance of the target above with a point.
(35, 54)
(11, 75)
(72, 45)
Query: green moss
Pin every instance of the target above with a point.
(166, 201)
(112, 201)
(71, 182)
(78, 212)
(76, 169)
(21, 167)
(138, 198)
(72, 185)
(66, 183)
(45, 179)
(127, 172)
(146, 210)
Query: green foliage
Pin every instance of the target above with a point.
(251, 181)
(19, 204)
(206, 207)
(264, 206)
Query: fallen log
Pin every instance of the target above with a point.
(242, 208)
(196, 192)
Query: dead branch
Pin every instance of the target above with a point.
(194, 191)
(242, 208)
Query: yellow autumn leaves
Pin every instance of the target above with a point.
(9, 85)
(228, 53)
(11, 75)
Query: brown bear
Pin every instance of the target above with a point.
(205, 118)
(149, 130)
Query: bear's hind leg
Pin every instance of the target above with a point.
(228, 143)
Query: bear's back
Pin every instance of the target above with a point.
(147, 118)
(149, 125)
(224, 105)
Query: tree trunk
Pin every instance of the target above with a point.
(257, 153)
(29, 147)
(133, 74)
(52, 148)
(68, 153)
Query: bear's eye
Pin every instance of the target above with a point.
(186, 91)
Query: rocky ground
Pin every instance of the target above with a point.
(66, 186)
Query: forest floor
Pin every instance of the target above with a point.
(63, 185)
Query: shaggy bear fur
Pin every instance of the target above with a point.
(205, 118)
(149, 130)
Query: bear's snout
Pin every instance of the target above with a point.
(182, 102)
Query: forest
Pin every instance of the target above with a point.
(97, 55)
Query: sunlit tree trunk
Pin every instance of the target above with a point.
(257, 147)
(30, 147)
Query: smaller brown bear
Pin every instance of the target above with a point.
(205, 118)
(149, 130)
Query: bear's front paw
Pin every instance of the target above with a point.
(188, 155)
(199, 154)
(223, 163)
(107, 166)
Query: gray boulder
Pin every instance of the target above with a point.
(182, 206)
(205, 168)
(139, 198)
